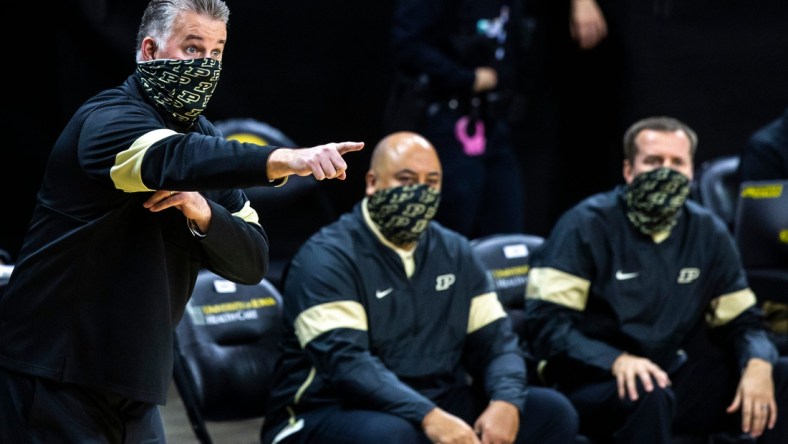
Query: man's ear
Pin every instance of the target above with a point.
(148, 49)
(372, 181)
(627, 171)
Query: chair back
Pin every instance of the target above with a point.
(761, 232)
(716, 187)
(506, 258)
(226, 350)
(290, 213)
(254, 131)
(5, 275)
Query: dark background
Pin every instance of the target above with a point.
(320, 71)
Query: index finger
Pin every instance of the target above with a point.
(346, 147)
(157, 197)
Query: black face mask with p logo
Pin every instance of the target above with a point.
(654, 199)
(180, 89)
(403, 213)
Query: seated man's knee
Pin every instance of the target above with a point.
(658, 397)
(390, 429)
(549, 417)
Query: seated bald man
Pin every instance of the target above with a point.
(389, 315)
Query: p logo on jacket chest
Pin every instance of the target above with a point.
(687, 275)
(444, 281)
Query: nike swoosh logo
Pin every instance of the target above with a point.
(621, 276)
(383, 293)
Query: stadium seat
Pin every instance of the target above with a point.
(226, 351)
(505, 256)
(716, 187)
(290, 213)
(761, 233)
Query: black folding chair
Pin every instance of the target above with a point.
(289, 214)
(226, 351)
(505, 256)
(716, 187)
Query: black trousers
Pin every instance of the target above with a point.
(548, 419)
(694, 404)
(36, 410)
